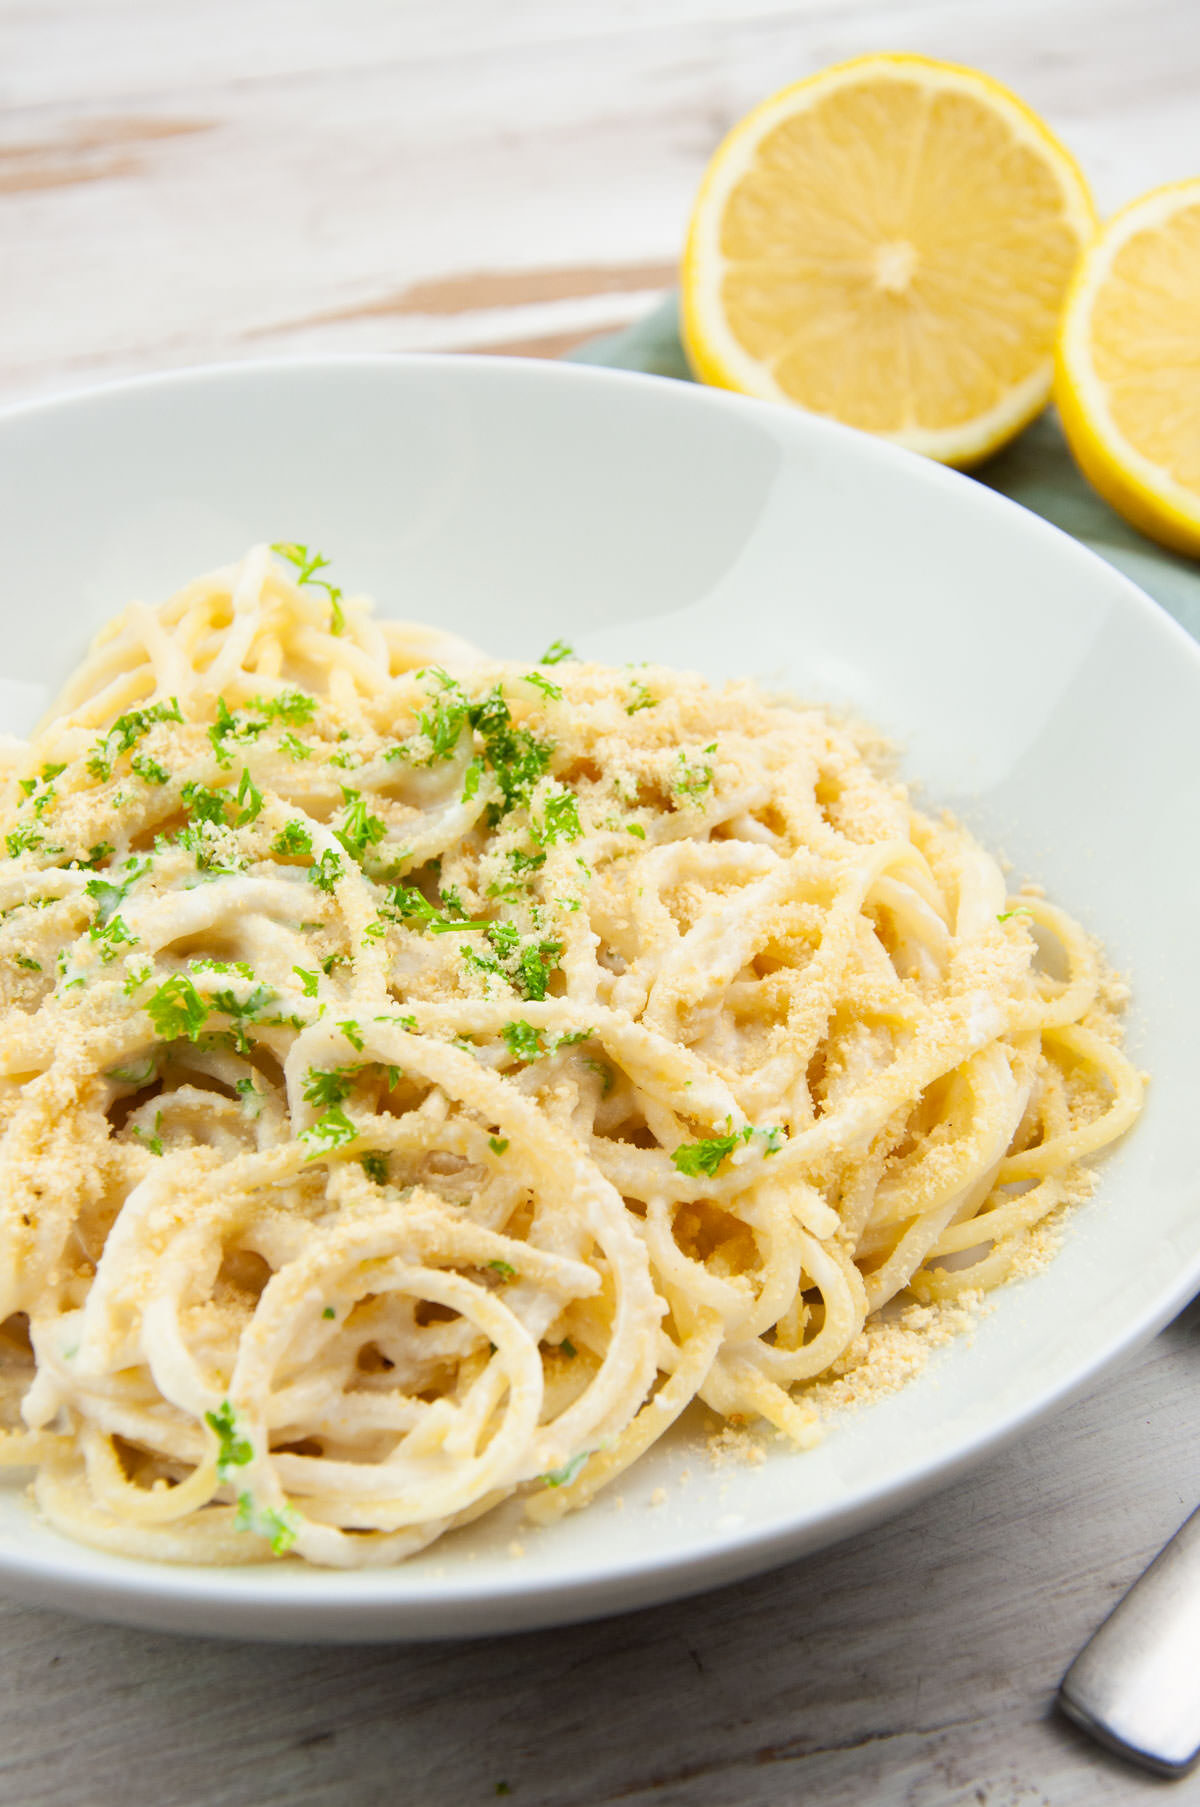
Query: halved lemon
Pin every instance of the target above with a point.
(889, 243)
(1128, 372)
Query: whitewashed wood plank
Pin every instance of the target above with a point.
(186, 184)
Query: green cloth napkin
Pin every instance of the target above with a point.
(1036, 470)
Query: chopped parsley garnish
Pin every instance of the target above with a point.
(293, 707)
(249, 1094)
(410, 906)
(292, 840)
(556, 652)
(522, 1040)
(535, 967)
(1017, 910)
(295, 749)
(471, 777)
(28, 963)
(635, 829)
(562, 1477)
(114, 933)
(568, 1349)
(443, 722)
(136, 1073)
(497, 1144)
(249, 801)
(125, 733)
(691, 780)
(549, 689)
(149, 769)
(228, 1004)
(505, 1269)
(642, 698)
(358, 830)
(374, 1164)
(331, 1131)
(109, 897)
(505, 937)
(203, 804)
(352, 1033)
(308, 981)
(560, 819)
(329, 1312)
(327, 871)
(233, 1450)
(515, 756)
(152, 1141)
(23, 840)
(176, 1009)
(306, 565)
(696, 1158)
(280, 1528)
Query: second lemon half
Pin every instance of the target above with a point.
(888, 243)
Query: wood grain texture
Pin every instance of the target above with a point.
(188, 182)
(914, 1666)
(181, 182)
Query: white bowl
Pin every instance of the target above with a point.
(1034, 690)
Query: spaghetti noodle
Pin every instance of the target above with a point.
(424, 1076)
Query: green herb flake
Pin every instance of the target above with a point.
(497, 1144)
(292, 840)
(249, 800)
(325, 1087)
(327, 871)
(556, 652)
(359, 830)
(549, 689)
(233, 1450)
(562, 1477)
(306, 565)
(690, 780)
(203, 804)
(329, 1312)
(293, 707)
(522, 1040)
(331, 1131)
(375, 1165)
(308, 981)
(560, 819)
(28, 963)
(535, 968)
(471, 778)
(177, 1009)
(505, 1269)
(443, 723)
(704, 1157)
(149, 769)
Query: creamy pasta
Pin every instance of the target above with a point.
(425, 1075)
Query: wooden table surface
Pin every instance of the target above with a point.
(184, 181)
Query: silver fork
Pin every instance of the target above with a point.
(1136, 1685)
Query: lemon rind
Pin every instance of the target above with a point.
(718, 359)
(1146, 494)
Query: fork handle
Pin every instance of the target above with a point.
(1136, 1685)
